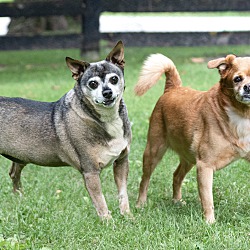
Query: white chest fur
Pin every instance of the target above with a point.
(116, 145)
(241, 128)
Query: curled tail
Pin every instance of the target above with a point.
(154, 66)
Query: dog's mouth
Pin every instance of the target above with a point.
(245, 98)
(106, 102)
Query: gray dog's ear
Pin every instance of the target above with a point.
(76, 67)
(116, 56)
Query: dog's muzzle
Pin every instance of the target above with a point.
(246, 89)
(108, 99)
(244, 94)
(107, 93)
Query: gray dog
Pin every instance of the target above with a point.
(88, 128)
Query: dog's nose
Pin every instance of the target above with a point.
(107, 93)
(247, 88)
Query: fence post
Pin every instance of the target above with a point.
(90, 29)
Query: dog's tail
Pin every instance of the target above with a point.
(154, 66)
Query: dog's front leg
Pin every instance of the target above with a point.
(205, 186)
(93, 185)
(121, 169)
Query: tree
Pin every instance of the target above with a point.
(37, 25)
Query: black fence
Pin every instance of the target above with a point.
(90, 10)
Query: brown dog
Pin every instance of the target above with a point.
(210, 129)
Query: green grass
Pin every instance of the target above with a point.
(48, 220)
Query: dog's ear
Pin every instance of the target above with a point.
(116, 56)
(222, 64)
(76, 67)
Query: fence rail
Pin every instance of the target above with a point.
(90, 10)
(175, 5)
(45, 8)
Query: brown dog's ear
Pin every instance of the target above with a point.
(116, 56)
(216, 63)
(221, 64)
(76, 67)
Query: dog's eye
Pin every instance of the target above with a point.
(113, 80)
(93, 84)
(238, 79)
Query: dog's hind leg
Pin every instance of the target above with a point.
(15, 175)
(155, 149)
(178, 177)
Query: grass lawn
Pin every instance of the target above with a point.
(48, 219)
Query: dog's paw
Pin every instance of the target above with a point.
(18, 192)
(124, 206)
(140, 204)
(106, 216)
(128, 216)
(124, 211)
(179, 202)
(210, 220)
